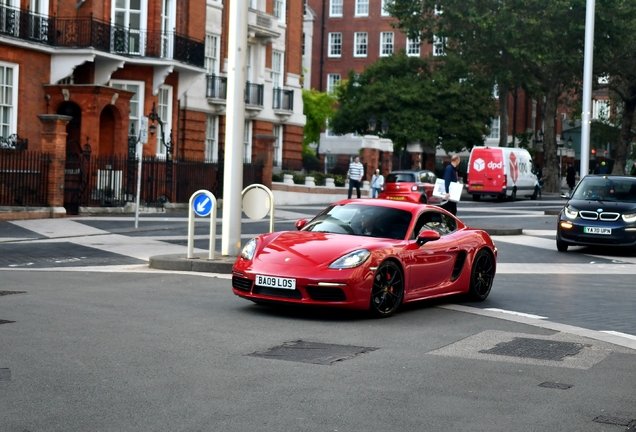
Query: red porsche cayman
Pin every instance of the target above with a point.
(367, 254)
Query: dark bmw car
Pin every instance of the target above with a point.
(600, 212)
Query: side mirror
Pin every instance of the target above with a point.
(301, 224)
(427, 236)
(565, 195)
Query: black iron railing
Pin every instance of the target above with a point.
(101, 35)
(283, 99)
(216, 87)
(24, 178)
(254, 94)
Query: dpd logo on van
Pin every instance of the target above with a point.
(479, 164)
(514, 168)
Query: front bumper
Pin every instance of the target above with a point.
(623, 235)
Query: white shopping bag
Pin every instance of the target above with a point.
(455, 190)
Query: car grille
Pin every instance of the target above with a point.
(326, 294)
(241, 284)
(604, 216)
(277, 292)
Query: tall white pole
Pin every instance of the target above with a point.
(234, 129)
(586, 115)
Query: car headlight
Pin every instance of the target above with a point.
(351, 260)
(629, 217)
(249, 249)
(570, 213)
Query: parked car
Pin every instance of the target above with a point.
(502, 172)
(367, 254)
(410, 185)
(600, 211)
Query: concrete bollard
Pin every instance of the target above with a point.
(329, 182)
(288, 179)
(309, 181)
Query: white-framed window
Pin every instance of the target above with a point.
(600, 109)
(277, 69)
(494, 129)
(252, 4)
(278, 145)
(248, 63)
(279, 10)
(212, 64)
(386, 44)
(136, 102)
(211, 139)
(361, 44)
(335, 45)
(247, 142)
(333, 80)
(8, 99)
(413, 47)
(164, 109)
(38, 26)
(130, 15)
(168, 27)
(438, 45)
(335, 8)
(362, 8)
(383, 11)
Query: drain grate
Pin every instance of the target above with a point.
(4, 293)
(617, 421)
(6, 321)
(312, 352)
(555, 385)
(540, 349)
(5, 374)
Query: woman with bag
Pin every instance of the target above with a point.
(377, 181)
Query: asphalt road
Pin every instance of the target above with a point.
(92, 339)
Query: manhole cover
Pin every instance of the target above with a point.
(555, 385)
(539, 349)
(312, 352)
(5, 374)
(4, 293)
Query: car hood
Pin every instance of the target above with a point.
(306, 248)
(606, 206)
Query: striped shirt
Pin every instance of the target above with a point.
(355, 171)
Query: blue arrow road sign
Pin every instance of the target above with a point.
(202, 205)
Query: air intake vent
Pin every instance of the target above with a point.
(241, 283)
(326, 294)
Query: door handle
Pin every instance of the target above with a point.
(453, 249)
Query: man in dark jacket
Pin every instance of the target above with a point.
(570, 176)
(450, 176)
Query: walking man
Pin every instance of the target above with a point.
(355, 176)
(377, 181)
(450, 176)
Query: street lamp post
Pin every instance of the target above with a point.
(152, 117)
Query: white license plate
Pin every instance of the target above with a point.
(276, 282)
(596, 230)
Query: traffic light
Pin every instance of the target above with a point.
(593, 151)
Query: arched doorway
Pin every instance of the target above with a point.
(75, 167)
(107, 132)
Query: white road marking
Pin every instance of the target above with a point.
(516, 313)
(546, 268)
(615, 333)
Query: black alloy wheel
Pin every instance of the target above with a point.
(387, 291)
(481, 276)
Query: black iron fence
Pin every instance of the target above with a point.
(24, 178)
(100, 35)
(216, 87)
(110, 184)
(254, 94)
(283, 99)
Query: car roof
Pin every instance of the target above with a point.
(405, 171)
(401, 205)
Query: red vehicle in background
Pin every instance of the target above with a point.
(411, 186)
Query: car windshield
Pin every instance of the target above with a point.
(400, 178)
(362, 220)
(606, 189)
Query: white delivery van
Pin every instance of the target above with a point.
(502, 172)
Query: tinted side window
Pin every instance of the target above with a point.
(432, 220)
(400, 178)
(427, 177)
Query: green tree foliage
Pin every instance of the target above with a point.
(435, 102)
(534, 44)
(317, 107)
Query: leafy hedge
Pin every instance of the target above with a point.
(319, 178)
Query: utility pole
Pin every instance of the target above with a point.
(234, 130)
